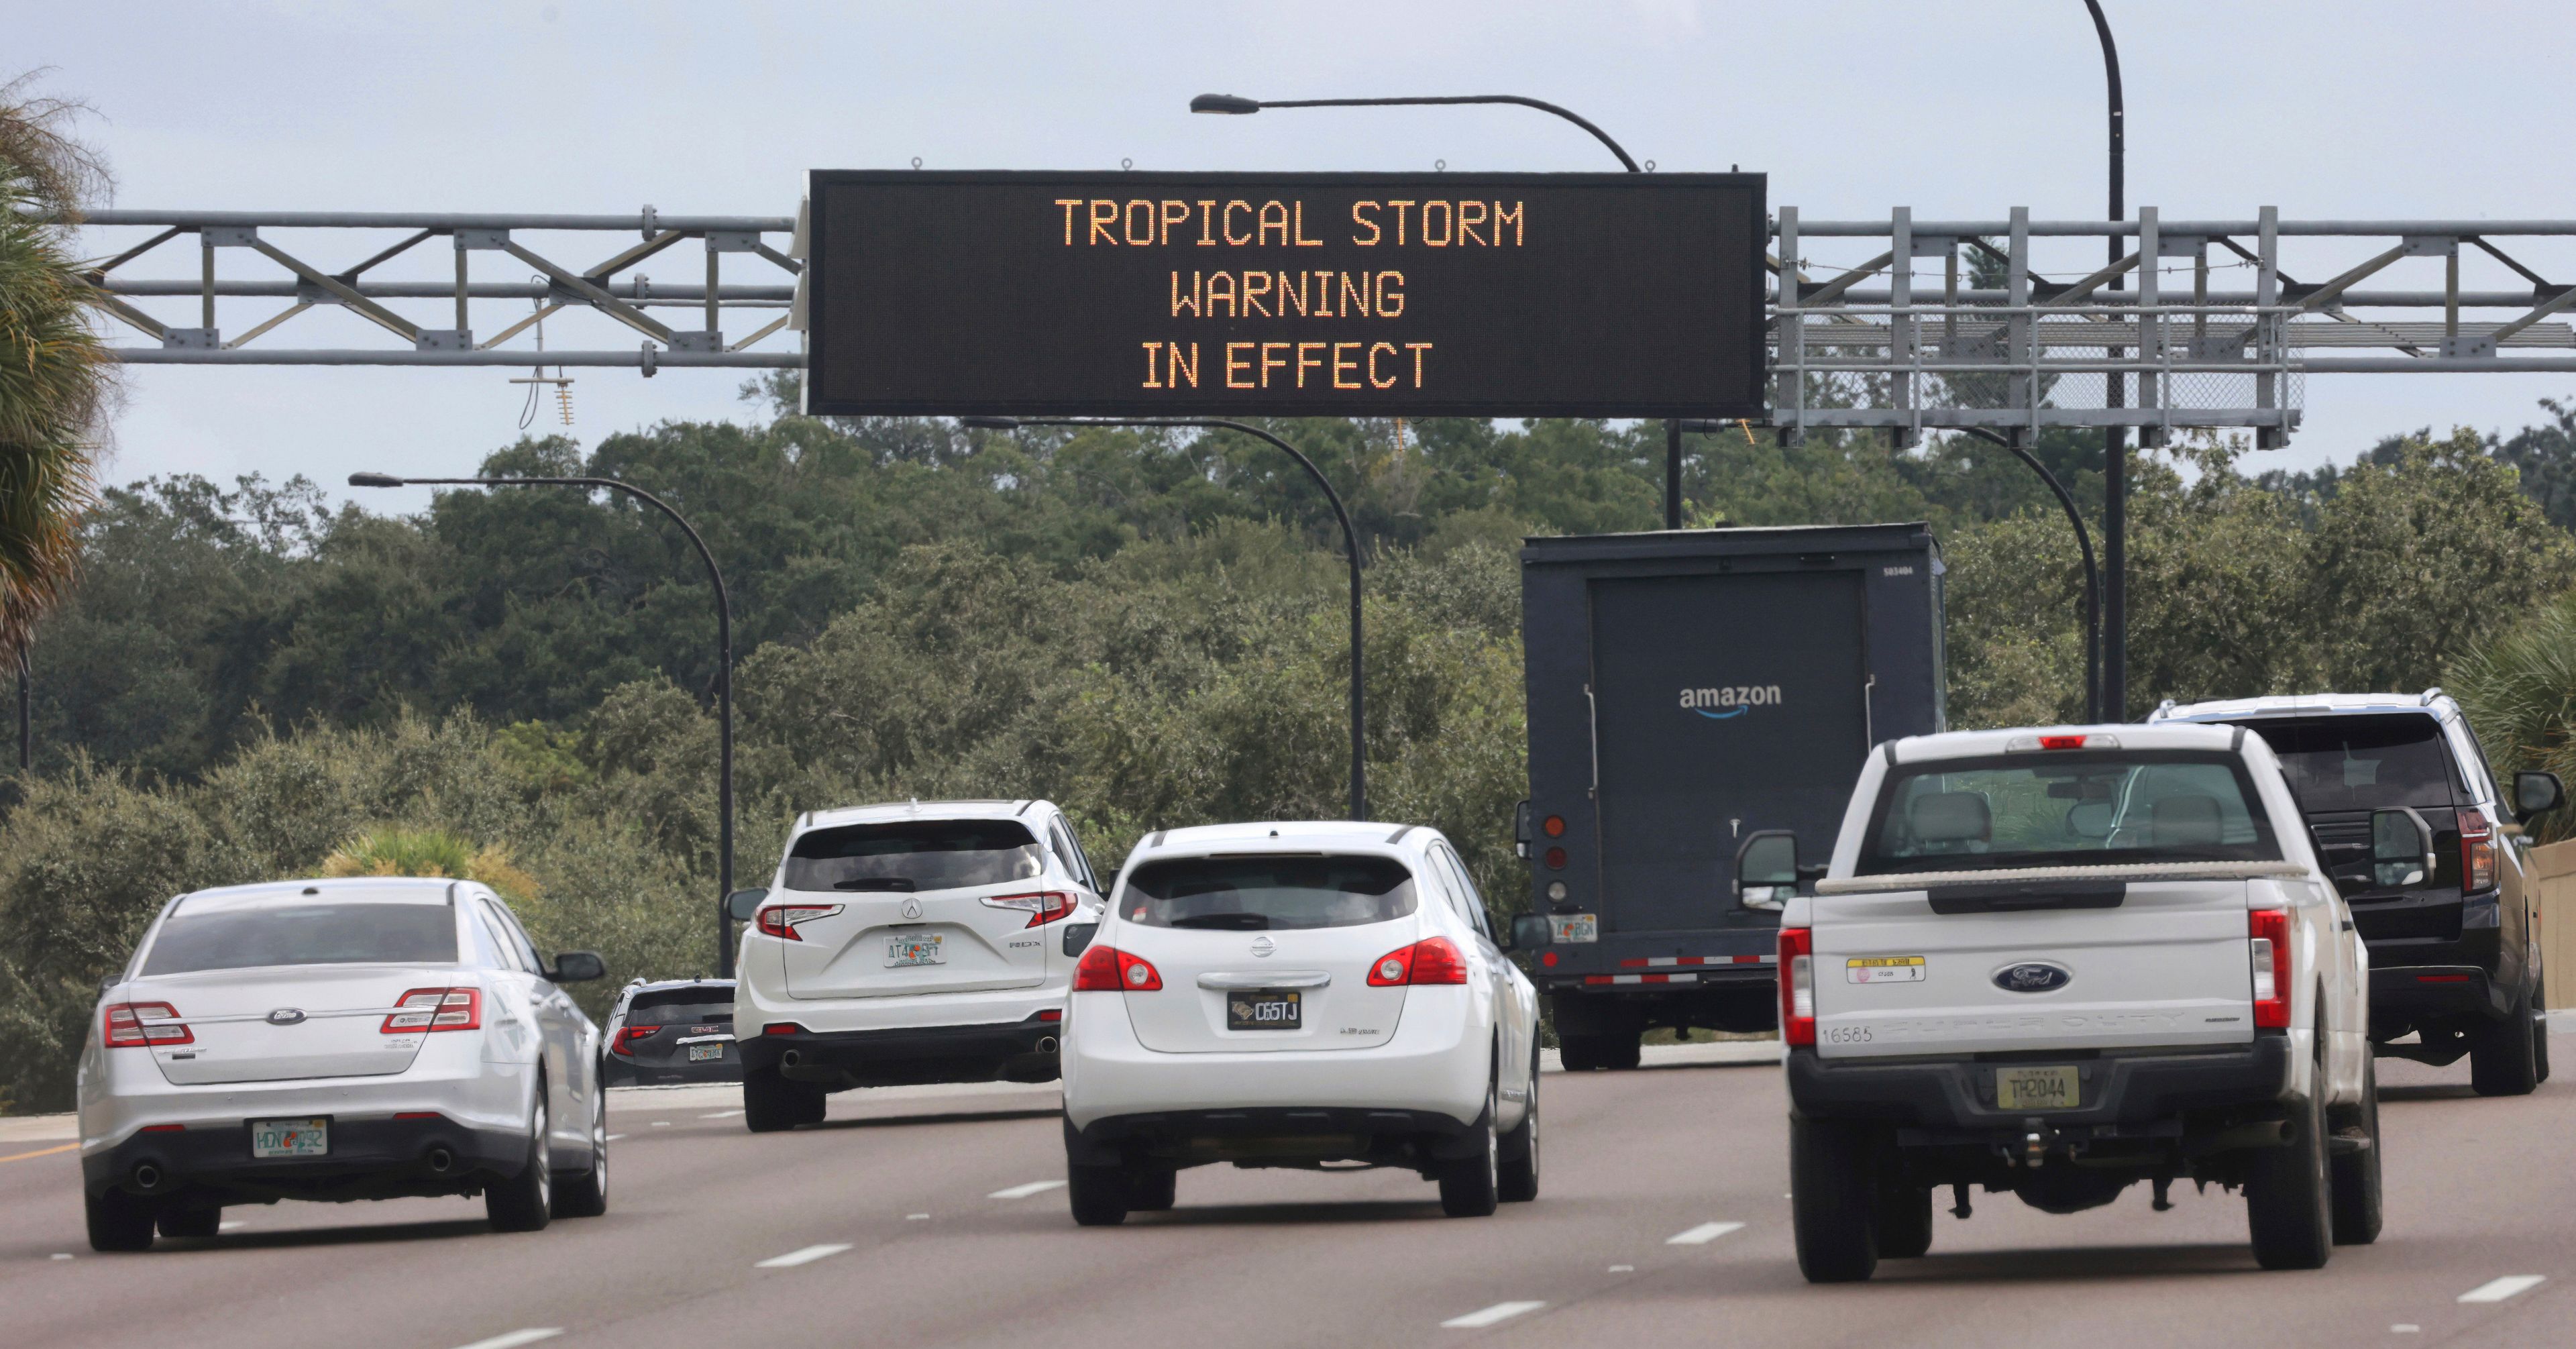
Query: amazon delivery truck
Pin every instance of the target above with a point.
(1687, 688)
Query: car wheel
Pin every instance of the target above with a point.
(771, 1103)
(1099, 1195)
(191, 1220)
(1152, 1189)
(2540, 1029)
(1519, 1171)
(2503, 1060)
(2356, 1173)
(2287, 1200)
(1833, 1199)
(120, 1222)
(1471, 1186)
(586, 1195)
(525, 1202)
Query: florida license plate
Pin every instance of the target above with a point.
(2037, 1089)
(914, 951)
(1264, 1010)
(290, 1137)
(701, 1053)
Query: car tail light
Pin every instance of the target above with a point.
(1432, 960)
(1556, 859)
(2477, 852)
(780, 920)
(782, 1028)
(628, 1035)
(134, 1025)
(1797, 986)
(2269, 930)
(1106, 969)
(436, 1009)
(1555, 826)
(1042, 907)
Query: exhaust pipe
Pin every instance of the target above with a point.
(790, 1059)
(1046, 1044)
(440, 1159)
(147, 1176)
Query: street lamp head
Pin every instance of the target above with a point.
(990, 423)
(374, 480)
(1234, 104)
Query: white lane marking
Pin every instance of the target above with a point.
(806, 1256)
(2497, 1290)
(2402, 1328)
(721, 1114)
(1623, 1269)
(229, 1226)
(661, 1124)
(614, 1137)
(914, 1217)
(1024, 1191)
(1500, 1311)
(62, 1255)
(515, 1338)
(1702, 1234)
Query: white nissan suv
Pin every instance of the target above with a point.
(907, 943)
(1298, 995)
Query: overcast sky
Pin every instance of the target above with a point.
(2324, 108)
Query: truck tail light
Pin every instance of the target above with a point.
(135, 1025)
(1432, 960)
(2477, 853)
(2269, 930)
(780, 920)
(436, 1009)
(1106, 969)
(1797, 986)
(1042, 907)
(628, 1035)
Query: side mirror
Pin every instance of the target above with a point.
(577, 967)
(1521, 830)
(2401, 848)
(741, 905)
(1077, 937)
(1531, 931)
(1766, 869)
(2536, 794)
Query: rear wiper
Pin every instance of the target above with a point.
(874, 883)
(1235, 922)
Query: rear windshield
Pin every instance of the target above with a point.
(360, 932)
(680, 1007)
(2067, 808)
(914, 855)
(2362, 763)
(1250, 894)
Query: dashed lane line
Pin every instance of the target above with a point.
(2497, 1290)
(721, 1114)
(1500, 1311)
(1024, 1191)
(1702, 1234)
(806, 1256)
(515, 1338)
(614, 1137)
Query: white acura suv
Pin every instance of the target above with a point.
(1298, 995)
(907, 943)
(361, 1038)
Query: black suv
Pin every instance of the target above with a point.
(2409, 821)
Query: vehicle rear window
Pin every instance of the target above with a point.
(339, 932)
(2362, 763)
(697, 1011)
(913, 855)
(2067, 808)
(1251, 894)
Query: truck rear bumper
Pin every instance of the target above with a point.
(2125, 1089)
(2402, 995)
(1017, 1051)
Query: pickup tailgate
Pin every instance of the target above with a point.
(1968, 970)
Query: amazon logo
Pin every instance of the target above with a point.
(1731, 700)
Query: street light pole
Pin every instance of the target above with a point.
(1236, 105)
(2115, 442)
(1350, 547)
(724, 664)
(2092, 577)
(26, 717)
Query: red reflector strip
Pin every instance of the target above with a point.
(1052, 1014)
(163, 1128)
(2442, 978)
(418, 1114)
(1641, 978)
(1653, 962)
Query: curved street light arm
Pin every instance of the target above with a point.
(2092, 577)
(1569, 115)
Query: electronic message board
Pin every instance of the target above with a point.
(1337, 294)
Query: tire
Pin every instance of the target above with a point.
(1611, 1050)
(586, 1195)
(1099, 1195)
(1152, 1189)
(2287, 1195)
(2540, 1028)
(771, 1103)
(2504, 1061)
(1471, 1187)
(191, 1220)
(525, 1202)
(2356, 1174)
(120, 1222)
(1833, 1199)
(1904, 1219)
(1516, 1179)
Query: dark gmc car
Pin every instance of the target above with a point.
(675, 1030)
(2411, 824)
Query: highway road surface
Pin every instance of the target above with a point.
(937, 1217)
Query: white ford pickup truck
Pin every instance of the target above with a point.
(2057, 962)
